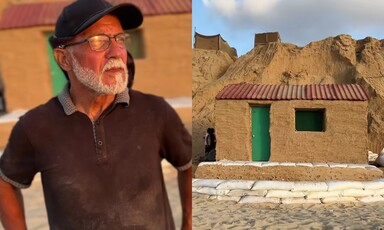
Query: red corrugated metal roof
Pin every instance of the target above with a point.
(41, 14)
(244, 91)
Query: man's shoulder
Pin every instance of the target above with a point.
(141, 97)
(42, 111)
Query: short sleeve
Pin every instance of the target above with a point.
(17, 164)
(177, 142)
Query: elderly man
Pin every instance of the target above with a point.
(98, 145)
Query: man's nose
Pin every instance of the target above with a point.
(115, 50)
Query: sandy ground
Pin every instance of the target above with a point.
(216, 214)
(37, 218)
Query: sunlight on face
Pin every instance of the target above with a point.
(95, 82)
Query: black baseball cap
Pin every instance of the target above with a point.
(81, 14)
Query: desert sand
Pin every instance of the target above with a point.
(219, 214)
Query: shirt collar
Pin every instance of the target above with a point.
(70, 108)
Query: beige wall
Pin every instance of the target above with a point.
(233, 130)
(24, 67)
(344, 141)
(166, 70)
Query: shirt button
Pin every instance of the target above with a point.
(100, 143)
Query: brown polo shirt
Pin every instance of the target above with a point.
(104, 174)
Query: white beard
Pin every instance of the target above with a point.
(94, 82)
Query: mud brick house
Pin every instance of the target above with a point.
(30, 75)
(292, 123)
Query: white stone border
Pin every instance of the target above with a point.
(288, 192)
(12, 116)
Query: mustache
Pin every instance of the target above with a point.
(115, 63)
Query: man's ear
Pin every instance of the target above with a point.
(61, 56)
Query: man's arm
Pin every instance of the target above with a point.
(185, 188)
(11, 207)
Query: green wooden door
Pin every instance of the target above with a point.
(57, 76)
(261, 141)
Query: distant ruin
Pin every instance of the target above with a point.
(265, 38)
(214, 42)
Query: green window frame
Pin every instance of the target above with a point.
(136, 45)
(310, 120)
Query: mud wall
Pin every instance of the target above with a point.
(343, 141)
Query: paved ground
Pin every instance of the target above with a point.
(37, 218)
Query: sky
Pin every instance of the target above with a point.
(298, 22)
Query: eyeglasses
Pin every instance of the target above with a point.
(101, 42)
